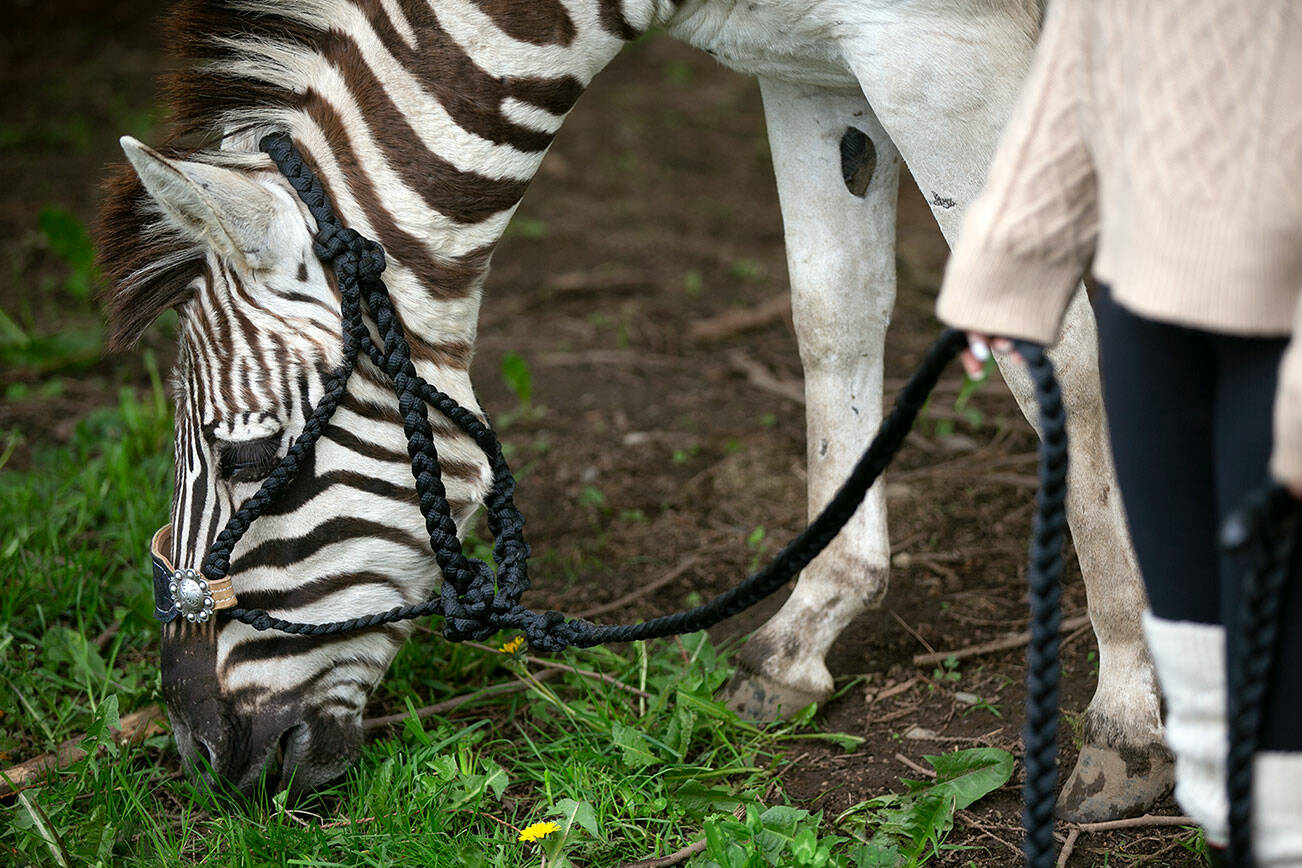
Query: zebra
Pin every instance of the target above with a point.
(426, 119)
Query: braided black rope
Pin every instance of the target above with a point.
(477, 599)
(1263, 532)
(1040, 735)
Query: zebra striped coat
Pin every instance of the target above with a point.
(426, 120)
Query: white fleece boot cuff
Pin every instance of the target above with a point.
(1277, 809)
(1190, 663)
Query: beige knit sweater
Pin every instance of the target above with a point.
(1163, 139)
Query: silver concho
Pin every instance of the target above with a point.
(191, 595)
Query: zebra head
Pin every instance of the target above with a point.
(259, 334)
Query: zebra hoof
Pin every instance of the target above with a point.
(1111, 783)
(757, 697)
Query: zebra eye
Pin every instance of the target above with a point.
(248, 460)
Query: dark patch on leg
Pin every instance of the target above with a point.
(302, 272)
(941, 201)
(858, 161)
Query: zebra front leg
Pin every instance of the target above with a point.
(837, 177)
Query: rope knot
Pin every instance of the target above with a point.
(472, 613)
(370, 259)
(543, 632)
(331, 242)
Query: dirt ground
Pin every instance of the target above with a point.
(650, 444)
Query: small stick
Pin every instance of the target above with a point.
(1015, 641)
(897, 713)
(1114, 825)
(925, 772)
(1136, 822)
(501, 822)
(107, 636)
(682, 855)
(894, 690)
(916, 635)
(1067, 847)
(763, 379)
(134, 728)
(374, 723)
(608, 358)
(550, 664)
(987, 832)
(674, 858)
(683, 566)
(347, 822)
(742, 319)
(1074, 635)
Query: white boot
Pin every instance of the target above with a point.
(1190, 662)
(1277, 809)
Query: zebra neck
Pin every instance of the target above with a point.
(427, 122)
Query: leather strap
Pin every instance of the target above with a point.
(165, 610)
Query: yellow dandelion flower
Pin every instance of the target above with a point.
(513, 646)
(538, 831)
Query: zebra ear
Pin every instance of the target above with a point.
(217, 206)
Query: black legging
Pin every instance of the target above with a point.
(1189, 414)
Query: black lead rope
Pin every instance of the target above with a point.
(476, 599)
(1263, 533)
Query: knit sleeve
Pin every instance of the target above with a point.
(1286, 459)
(1028, 237)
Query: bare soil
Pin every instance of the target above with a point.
(647, 446)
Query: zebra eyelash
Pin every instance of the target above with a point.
(248, 460)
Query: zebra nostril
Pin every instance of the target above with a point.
(288, 751)
(206, 753)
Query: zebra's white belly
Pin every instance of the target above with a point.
(806, 41)
(784, 39)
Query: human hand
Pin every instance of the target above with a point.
(978, 352)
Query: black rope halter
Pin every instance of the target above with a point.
(476, 599)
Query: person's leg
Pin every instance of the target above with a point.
(1245, 397)
(1246, 393)
(1158, 389)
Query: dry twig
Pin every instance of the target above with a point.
(679, 856)
(674, 858)
(922, 770)
(610, 358)
(373, 723)
(134, 728)
(914, 633)
(742, 319)
(551, 664)
(894, 690)
(1114, 825)
(1015, 641)
(107, 636)
(683, 566)
(1067, 846)
(763, 379)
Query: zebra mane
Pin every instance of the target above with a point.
(244, 65)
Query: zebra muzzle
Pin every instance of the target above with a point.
(184, 593)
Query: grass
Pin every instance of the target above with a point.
(612, 773)
(33, 348)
